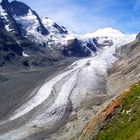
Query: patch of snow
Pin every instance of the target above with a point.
(8, 28)
(24, 54)
(18, 42)
(3, 13)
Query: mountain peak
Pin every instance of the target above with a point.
(19, 8)
(106, 32)
(109, 31)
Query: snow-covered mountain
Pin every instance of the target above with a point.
(57, 32)
(110, 37)
(67, 100)
(109, 32)
(34, 40)
(58, 36)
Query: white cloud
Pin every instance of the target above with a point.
(85, 16)
(76, 17)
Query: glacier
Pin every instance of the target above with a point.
(49, 107)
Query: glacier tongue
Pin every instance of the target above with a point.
(55, 100)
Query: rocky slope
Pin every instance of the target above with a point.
(122, 76)
(124, 122)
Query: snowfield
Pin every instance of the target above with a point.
(50, 106)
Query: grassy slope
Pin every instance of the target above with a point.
(125, 125)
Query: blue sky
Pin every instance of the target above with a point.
(84, 16)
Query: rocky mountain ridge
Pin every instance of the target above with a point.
(29, 40)
(27, 35)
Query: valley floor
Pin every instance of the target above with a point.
(16, 83)
(48, 107)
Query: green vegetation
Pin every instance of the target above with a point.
(125, 124)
